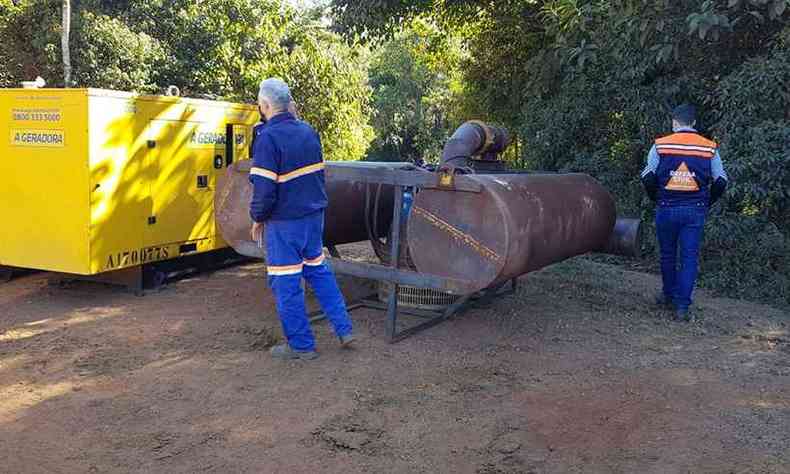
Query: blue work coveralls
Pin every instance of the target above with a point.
(289, 195)
(684, 175)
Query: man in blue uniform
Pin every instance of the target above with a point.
(289, 195)
(684, 176)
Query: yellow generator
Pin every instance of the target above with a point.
(97, 181)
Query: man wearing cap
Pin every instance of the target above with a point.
(289, 195)
(684, 176)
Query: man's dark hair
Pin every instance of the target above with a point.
(685, 114)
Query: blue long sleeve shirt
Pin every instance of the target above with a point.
(287, 172)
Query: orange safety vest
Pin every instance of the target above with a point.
(684, 169)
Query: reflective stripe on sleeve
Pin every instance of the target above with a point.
(263, 172)
(305, 170)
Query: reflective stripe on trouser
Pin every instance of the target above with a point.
(680, 227)
(294, 249)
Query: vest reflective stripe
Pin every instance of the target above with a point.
(686, 147)
(671, 150)
(686, 150)
(686, 144)
(686, 138)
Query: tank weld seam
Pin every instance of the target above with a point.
(457, 234)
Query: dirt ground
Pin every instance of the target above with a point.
(577, 372)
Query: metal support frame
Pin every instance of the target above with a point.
(392, 273)
(431, 318)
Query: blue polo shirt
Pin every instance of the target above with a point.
(287, 172)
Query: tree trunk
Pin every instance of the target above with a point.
(64, 43)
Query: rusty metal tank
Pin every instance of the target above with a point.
(518, 223)
(349, 217)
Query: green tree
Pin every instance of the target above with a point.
(209, 48)
(587, 85)
(30, 43)
(6, 12)
(223, 48)
(112, 56)
(621, 68)
(417, 90)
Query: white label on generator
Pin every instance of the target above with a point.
(36, 115)
(207, 139)
(38, 138)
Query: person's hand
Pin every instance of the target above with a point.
(256, 231)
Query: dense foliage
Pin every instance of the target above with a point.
(583, 85)
(417, 93)
(586, 85)
(209, 48)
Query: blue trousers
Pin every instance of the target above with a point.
(680, 228)
(295, 249)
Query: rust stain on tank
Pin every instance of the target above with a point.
(458, 234)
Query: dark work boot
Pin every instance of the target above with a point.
(346, 341)
(663, 301)
(684, 316)
(284, 351)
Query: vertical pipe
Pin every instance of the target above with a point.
(392, 304)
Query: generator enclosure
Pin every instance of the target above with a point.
(95, 181)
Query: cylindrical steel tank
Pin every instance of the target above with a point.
(517, 224)
(345, 220)
(626, 238)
